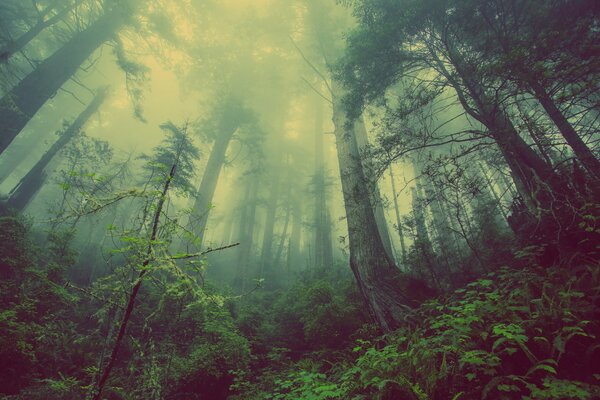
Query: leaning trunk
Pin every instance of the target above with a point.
(208, 186)
(22, 41)
(583, 153)
(29, 185)
(19, 105)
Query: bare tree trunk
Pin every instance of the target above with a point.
(247, 234)
(138, 283)
(397, 212)
(293, 260)
(208, 185)
(268, 234)
(583, 153)
(423, 241)
(322, 240)
(19, 105)
(363, 142)
(385, 289)
(31, 183)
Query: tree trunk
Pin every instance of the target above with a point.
(583, 153)
(208, 185)
(397, 212)
(19, 105)
(385, 289)
(322, 240)
(268, 234)
(22, 41)
(293, 260)
(29, 185)
(362, 140)
(423, 241)
(247, 232)
(534, 178)
(137, 285)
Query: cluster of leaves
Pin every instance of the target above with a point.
(182, 341)
(516, 333)
(312, 319)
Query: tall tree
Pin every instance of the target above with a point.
(387, 292)
(322, 234)
(29, 185)
(50, 15)
(383, 50)
(21, 103)
(227, 119)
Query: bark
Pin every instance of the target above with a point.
(137, 285)
(31, 183)
(387, 292)
(363, 142)
(581, 150)
(21, 103)
(208, 185)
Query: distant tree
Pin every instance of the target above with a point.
(227, 119)
(29, 185)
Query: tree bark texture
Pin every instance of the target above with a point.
(387, 292)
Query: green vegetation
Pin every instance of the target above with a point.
(306, 199)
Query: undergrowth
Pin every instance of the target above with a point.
(526, 333)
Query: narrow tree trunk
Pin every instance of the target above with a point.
(323, 257)
(138, 283)
(534, 178)
(247, 234)
(385, 289)
(423, 241)
(494, 194)
(295, 236)
(22, 41)
(268, 234)
(397, 212)
(29, 185)
(583, 153)
(208, 185)
(19, 105)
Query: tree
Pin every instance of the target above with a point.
(29, 185)
(50, 15)
(404, 39)
(169, 168)
(387, 292)
(227, 118)
(21, 103)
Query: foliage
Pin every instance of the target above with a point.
(516, 332)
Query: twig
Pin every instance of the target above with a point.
(209, 250)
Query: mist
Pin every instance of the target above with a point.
(262, 199)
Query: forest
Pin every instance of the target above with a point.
(299, 199)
